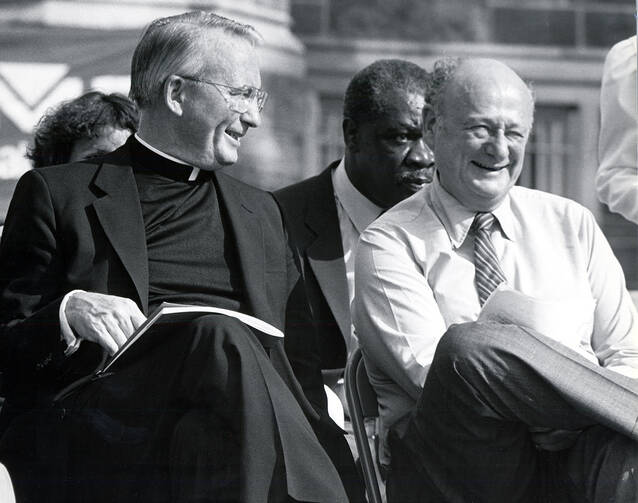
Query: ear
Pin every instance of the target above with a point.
(174, 94)
(429, 123)
(350, 134)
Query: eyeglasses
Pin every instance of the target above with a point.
(238, 99)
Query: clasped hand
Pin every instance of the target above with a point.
(107, 320)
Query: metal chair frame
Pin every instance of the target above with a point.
(362, 402)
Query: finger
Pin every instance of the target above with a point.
(137, 319)
(125, 325)
(107, 342)
(135, 316)
(116, 333)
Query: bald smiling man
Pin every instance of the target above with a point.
(486, 411)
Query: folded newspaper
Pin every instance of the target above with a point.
(567, 320)
(169, 314)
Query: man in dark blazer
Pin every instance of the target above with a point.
(385, 161)
(212, 412)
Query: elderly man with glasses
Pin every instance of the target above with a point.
(211, 410)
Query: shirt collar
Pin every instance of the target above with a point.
(361, 211)
(193, 174)
(457, 220)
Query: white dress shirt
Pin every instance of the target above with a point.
(415, 278)
(355, 212)
(617, 177)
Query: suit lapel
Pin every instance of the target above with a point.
(248, 233)
(120, 215)
(325, 253)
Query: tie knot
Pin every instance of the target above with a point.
(483, 221)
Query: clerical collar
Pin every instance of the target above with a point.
(148, 158)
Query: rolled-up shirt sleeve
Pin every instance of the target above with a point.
(395, 315)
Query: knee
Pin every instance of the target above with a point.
(469, 340)
(210, 323)
(474, 344)
(216, 331)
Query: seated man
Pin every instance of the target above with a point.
(89, 125)
(486, 411)
(213, 412)
(385, 161)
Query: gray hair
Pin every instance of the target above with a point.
(370, 89)
(172, 45)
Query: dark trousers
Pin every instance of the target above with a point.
(468, 439)
(207, 414)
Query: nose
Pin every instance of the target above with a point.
(496, 146)
(252, 116)
(420, 155)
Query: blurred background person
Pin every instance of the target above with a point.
(617, 176)
(92, 124)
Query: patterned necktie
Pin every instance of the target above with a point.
(488, 271)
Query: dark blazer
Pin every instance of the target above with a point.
(310, 214)
(79, 226)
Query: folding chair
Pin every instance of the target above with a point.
(362, 403)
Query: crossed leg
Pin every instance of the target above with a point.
(488, 383)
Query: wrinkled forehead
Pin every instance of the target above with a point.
(230, 57)
(489, 90)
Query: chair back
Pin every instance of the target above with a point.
(362, 402)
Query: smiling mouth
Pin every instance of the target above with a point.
(489, 168)
(235, 136)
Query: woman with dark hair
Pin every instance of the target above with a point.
(92, 124)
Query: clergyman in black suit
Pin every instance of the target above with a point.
(385, 161)
(211, 412)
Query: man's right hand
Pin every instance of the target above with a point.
(107, 320)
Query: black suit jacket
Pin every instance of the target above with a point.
(79, 226)
(311, 218)
(312, 223)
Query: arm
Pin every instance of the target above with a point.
(30, 277)
(615, 333)
(617, 176)
(397, 320)
(34, 281)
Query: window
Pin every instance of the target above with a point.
(551, 150)
(330, 134)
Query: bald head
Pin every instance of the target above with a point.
(473, 77)
(478, 128)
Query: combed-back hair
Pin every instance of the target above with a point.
(442, 73)
(83, 117)
(174, 46)
(372, 88)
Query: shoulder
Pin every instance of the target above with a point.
(406, 226)
(254, 196)
(300, 195)
(549, 208)
(409, 215)
(542, 199)
(622, 51)
(64, 178)
(620, 60)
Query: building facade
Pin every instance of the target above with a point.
(312, 48)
